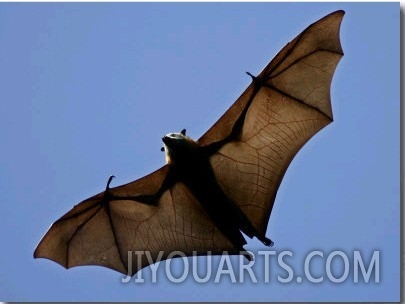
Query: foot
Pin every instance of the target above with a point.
(247, 255)
(267, 241)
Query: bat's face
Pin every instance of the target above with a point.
(177, 146)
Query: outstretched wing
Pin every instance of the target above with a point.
(258, 137)
(286, 104)
(99, 232)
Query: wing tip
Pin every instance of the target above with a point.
(42, 252)
(339, 13)
(51, 258)
(336, 14)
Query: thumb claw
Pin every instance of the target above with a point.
(109, 181)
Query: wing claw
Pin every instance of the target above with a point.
(109, 181)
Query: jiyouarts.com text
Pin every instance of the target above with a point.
(265, 266)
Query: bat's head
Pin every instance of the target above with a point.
(178, 147)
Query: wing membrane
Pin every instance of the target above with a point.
(282, 109)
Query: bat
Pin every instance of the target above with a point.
(211, 189)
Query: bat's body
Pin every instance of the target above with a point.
(213, 188)
(189, 163)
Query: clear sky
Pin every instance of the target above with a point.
(88, 90)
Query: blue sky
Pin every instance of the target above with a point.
(88, 90)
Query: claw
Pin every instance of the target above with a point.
(109, 181)
(267, 242)
(247, 255)
(253, 77)
(256, 80)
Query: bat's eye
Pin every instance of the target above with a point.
(174, 135)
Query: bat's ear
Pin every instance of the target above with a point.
(183, 132)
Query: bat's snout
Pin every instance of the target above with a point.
(165, 139)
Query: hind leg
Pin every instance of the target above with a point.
(251, 231)
(266, 241)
